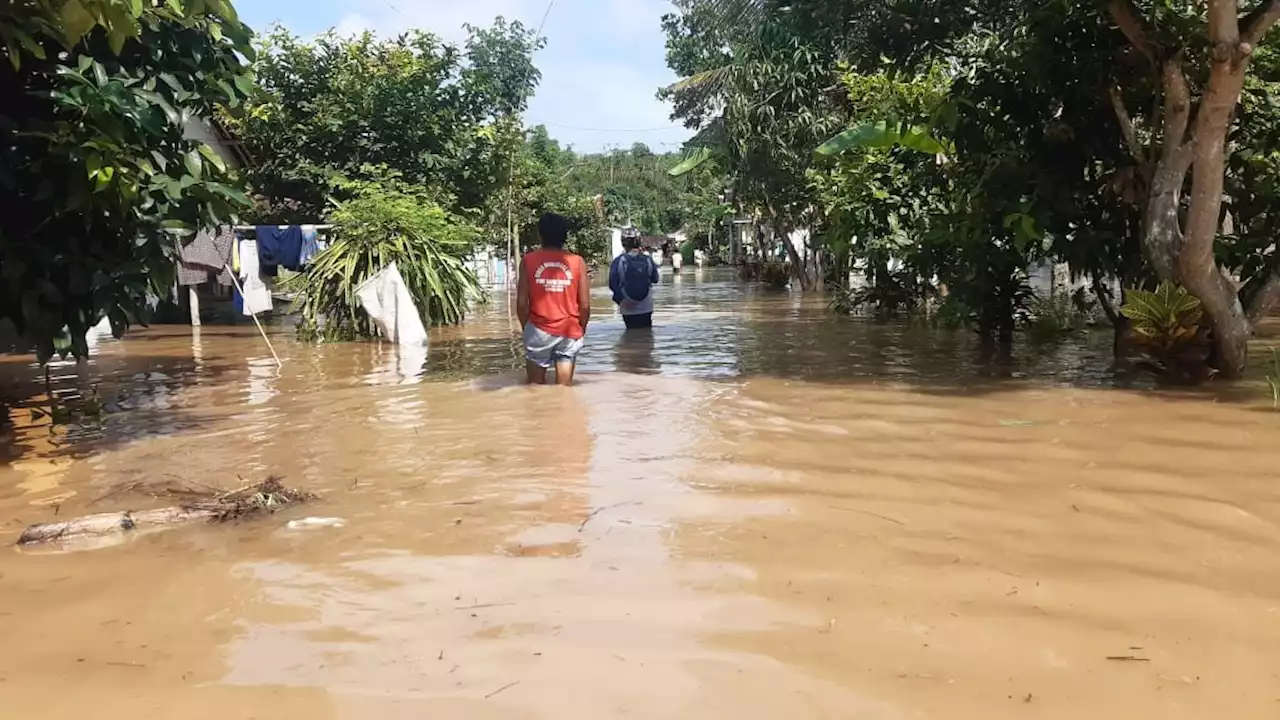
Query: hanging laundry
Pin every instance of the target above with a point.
(310, 244)
(387, 300)
(257, 298)
(209, 251)
(279, 246)
(192, 274)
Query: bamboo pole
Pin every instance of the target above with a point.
(265, 339)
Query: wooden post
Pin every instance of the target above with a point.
(194, 298)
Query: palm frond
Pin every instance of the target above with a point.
(707, 82)
(736, 13)
(375, 229)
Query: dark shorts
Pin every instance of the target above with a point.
(638, 322)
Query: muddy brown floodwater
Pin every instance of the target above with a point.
(758, 512)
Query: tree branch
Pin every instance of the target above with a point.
(1224, 27)
(1104, 301)
(1177, 111)
(1126, 126)
(1134, 25)
(1256, 24)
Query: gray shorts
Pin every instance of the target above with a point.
(544, 349)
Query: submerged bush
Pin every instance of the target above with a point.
(375, 228)
(898, 293)
(1057, 316)
(1166, 330)
(776, 274)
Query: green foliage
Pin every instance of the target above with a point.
(761, 93)
(883, 134)
(638, 188)
(331, 107)
(99, 182)
(952, 314)
(690, 163)
(1164, 318)
(1166, 326)
(1054, 317)
(25, 27)
(540, 183)
(378, 226)
(775, 274)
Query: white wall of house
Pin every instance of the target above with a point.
(800, 240)
(490, 270)
(615, 243)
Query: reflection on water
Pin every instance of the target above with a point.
(754, 510)
(634, 352)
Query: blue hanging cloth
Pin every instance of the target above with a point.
(310, 244)
(279, 247)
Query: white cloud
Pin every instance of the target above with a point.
(602, 64)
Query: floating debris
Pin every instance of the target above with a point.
(197, 504)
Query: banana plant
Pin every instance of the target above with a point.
(885, 134)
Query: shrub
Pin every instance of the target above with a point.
(377, 227)
(1052, 318)
(776, 274)
(1166, 330)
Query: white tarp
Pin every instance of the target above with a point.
(388, 302)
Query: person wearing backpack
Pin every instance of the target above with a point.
(631, 278)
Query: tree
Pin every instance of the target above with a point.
(331, 107)
(883, 186)
(637, 188)
(541, 185)
(1099, 129)
(763, 86)
(386, 221)
(1189, 136)
(99, 182)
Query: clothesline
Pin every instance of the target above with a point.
(243, 228)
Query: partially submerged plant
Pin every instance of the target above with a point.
(895, 294)
(1166, 329)
(776, 274)
(376, 228)
(1054, 317)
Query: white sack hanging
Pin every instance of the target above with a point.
(388, 302)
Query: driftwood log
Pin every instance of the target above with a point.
(104, 524)
(207, 505)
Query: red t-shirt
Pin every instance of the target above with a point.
(554, 278)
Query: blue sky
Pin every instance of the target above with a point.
(602, 63)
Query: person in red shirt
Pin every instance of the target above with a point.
(553, 302)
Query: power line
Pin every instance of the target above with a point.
(395, 9)
(544, 18)
(619, 130)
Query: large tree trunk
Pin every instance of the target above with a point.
(798, 269)
(1197, 267)
(1186, 255)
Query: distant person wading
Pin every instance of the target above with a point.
(553, 302)
(631, 278)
